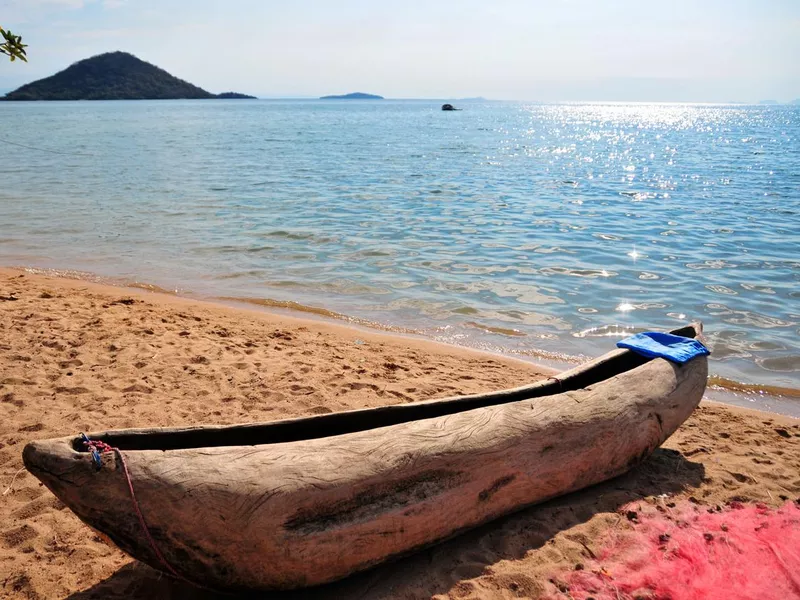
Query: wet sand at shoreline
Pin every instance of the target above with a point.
(77, 356)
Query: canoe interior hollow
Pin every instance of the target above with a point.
(293, 430)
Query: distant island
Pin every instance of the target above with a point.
(113, 76)
(353, 96)
(235, 96)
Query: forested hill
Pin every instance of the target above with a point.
(110, 76)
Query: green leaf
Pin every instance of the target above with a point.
(13, 46)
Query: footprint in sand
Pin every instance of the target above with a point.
(54, 344)
(9, 398)
(138, 388)
(18, 535)
(27, 493)
(65, 364)
(31, 428)
(353, 385)
(37, 507)
(401, 395)
(301, 390)
(71, 390)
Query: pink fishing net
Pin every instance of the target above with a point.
(692, 552)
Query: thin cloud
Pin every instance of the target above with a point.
(72, 4)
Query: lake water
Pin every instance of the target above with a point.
(543, 230)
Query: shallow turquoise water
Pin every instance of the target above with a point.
(522, 227)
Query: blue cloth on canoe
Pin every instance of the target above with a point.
(655, 344)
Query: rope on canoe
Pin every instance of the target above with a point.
(96, 448)
(560, 383)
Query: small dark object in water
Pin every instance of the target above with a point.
(449, 107)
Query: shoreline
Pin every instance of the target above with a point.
(347, 325)
(774, 400)
(80, 356)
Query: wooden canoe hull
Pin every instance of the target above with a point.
(300, 513)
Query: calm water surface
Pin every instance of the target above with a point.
(547, 230)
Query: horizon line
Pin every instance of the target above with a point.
(765, 102)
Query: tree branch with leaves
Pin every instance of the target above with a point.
(12, 46)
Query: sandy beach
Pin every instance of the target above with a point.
(78, 356)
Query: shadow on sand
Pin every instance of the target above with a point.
(437, 569)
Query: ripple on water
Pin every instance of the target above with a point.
(766, 345)
(746, 317)
(781, 364)
(753, 287)
(498, 330)
(588, 273)
(711, 264)
(722, 289)
(619, 331)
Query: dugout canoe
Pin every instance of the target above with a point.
(302, 502)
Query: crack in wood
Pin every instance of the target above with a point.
(495, 487)
(374, 501)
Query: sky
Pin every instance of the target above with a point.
(537, 50)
